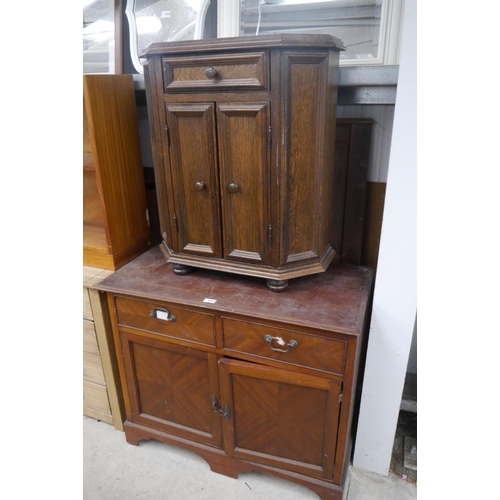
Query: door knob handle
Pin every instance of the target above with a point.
(233, 188)
(199, 186)
(211, 72)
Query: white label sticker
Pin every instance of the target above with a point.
(162, 315)
(165, 14)
(210, 301)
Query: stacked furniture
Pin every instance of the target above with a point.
(243, 140)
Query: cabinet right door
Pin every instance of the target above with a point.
(243, 136)
(280, 418)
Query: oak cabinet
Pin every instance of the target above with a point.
(243, 135)
(263, 382)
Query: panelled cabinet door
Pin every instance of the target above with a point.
(279, 418)
(307, 176)
(171, 388)
(193, 153)
(243, 131)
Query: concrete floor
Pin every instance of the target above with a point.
(115, 470)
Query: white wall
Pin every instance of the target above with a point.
(394, 304)
(412, 360)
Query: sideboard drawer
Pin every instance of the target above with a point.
(168, 320)
(287, 346)
(216, 72)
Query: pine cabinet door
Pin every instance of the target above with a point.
(279, 418)
(243, 130)
(194, 170)
(171, 388)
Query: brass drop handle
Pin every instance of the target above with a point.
(280, 342)
(211, 72)
(233, 188)
(163, 314)
(199, 186)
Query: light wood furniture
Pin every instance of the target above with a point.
(115, 219)
(246, 378)
(243, 139)
(102, 391)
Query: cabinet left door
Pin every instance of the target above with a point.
(171, 387)
(194, 171)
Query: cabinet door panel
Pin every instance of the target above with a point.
(244, 160)
(280, 418)
(171, 387)
(195, 178)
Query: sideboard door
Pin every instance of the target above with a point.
(279, 418)
(171, 388)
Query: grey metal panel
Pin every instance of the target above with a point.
(381, 94)
(350, 76)
(368, 84)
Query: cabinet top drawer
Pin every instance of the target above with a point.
(287, 346)
(241, 71)
(170, 321)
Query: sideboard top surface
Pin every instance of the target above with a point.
(334, 300)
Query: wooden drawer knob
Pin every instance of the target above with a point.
(233, 188)
(211, 72)
(199, 186)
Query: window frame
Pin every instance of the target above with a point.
(228, 25)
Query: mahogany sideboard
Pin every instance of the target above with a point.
(248, 379)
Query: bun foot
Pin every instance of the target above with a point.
(277, 285)
(181, 269)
